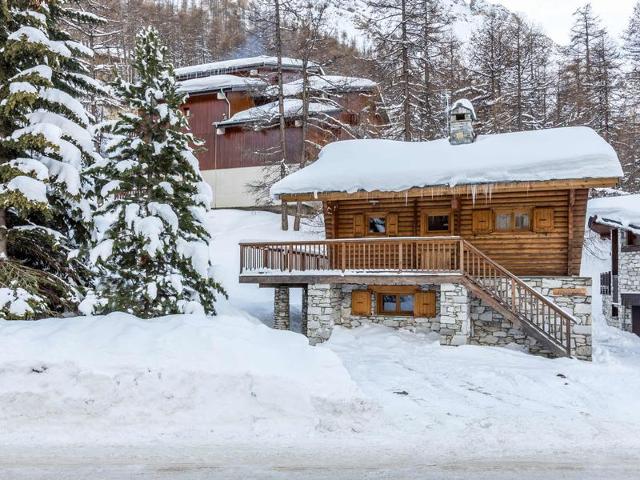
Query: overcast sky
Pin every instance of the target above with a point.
(555, 16)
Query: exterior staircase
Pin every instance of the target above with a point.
(459, 260)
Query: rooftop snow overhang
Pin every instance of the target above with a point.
(575, 157)
(269, 118)
(241, 64)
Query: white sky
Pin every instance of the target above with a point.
(555, 16)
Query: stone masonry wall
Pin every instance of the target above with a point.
(416, 324)
(577, 305)
(323, 311)
(454, 314)
(628, 282)
(461, 318)
(281, 308)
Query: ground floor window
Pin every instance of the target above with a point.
(395, 304)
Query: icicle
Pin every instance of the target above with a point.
(474, 192)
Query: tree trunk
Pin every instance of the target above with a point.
(405, 75)
(283, 138)
(3, 234)
(305, 129)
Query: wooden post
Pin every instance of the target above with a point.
(572, 201)
(461, 256)
(400, 257)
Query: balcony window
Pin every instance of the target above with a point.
(438, 223)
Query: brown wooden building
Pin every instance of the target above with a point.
(479, 241)
(231, 107)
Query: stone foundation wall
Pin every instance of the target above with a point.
(281, 308)
(461, 318)
(416, 324)
(323, 311)
(629, 272)
(455, 314)
(577, 305)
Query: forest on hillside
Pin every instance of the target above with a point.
(423, 53)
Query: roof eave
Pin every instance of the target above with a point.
(464, 189)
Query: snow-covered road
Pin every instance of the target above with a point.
(291, 463)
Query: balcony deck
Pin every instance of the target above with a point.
(374, 260)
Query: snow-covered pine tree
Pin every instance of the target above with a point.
(45, 140)
(152, 249)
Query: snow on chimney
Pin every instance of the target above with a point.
(461, 118)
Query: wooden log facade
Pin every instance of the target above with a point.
(547, 240)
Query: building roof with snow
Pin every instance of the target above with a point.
(215, 83)
(617, 212)
(326, 83)
(239, 64)
(270, 112)
(392, 166)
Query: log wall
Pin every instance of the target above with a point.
(557, 252)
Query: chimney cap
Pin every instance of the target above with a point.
(464, 104)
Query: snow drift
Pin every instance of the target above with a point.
(121, 379)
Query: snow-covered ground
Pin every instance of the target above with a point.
(227, 397)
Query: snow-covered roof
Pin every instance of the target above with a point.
(220, 82)
(229, 66)
(327, 83)
(617, 212)
(464, 103)
(392, 166)
(268, 112)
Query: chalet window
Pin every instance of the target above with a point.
(187, 112)
(513, 220)
(543, 219)
(395, 304)
(614, 311)
(377, 225)
(460, 116)
(633, 239)
(435, 222)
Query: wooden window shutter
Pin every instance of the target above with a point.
(543, 219)
(424, 304)
(392, 224)
(358, 226)
(361, 302)
(482, 221)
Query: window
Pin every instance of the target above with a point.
(460, 116)
(513, 220)
(377, 225)
(633, 239)
(187, 112)
(614, 311)
(436, 222)
(395, 304)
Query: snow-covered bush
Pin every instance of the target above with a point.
(45, 141)
(151, 246)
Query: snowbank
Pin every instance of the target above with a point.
(120, 379)
(617, 211)
(325, 83)
(386, 165)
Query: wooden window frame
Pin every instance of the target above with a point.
(424, 222)
(368, 217)
(395, 293)
(512, 227)
(628, 247)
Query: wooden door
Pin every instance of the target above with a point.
(635, 319)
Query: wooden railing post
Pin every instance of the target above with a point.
(344, 256)
(568, 334)
(400, 257)
(241, 258)
(461, 256)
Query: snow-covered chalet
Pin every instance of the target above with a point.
(618, 219)
(476, 238)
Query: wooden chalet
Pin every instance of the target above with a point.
(618, 219)
(479, 241)
(232, 106)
